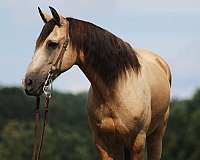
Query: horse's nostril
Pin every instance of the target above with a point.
(28, 81)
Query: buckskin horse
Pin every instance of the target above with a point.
(129, 97)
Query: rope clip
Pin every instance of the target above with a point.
(48, 85)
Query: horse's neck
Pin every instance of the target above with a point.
(102, 90)
(98, 86)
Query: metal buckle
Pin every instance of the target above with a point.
(48, 86)
(65, 44)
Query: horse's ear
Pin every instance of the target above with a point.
(55, 16)
(45, 17)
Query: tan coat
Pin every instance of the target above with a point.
(135, 111)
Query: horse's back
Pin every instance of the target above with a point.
(156, 59)
(158, 75)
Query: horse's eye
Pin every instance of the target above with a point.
(52, 45)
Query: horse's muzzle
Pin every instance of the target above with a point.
(33, 85)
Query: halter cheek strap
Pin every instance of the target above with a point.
(47, 88)
(60, 56)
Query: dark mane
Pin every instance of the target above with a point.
(107, 54)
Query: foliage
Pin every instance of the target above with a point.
(183, 133)
(68, 136)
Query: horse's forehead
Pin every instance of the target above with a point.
(58, 32)
(50, 30)
(46, 30)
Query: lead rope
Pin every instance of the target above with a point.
(44, 126)
(39, 136)
(37, 127)
(47, 88)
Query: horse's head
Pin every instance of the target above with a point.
(53, 37)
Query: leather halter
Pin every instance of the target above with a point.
(57, 64)
(47, 88)
(54, 69)
(61, 54)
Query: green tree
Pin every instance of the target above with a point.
(68, 136)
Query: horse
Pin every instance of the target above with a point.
(129, 96)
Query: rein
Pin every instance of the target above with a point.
(47, 89)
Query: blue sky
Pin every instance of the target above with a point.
(170, 28)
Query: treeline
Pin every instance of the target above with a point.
(68, 135)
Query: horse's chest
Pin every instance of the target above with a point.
(106, 119)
